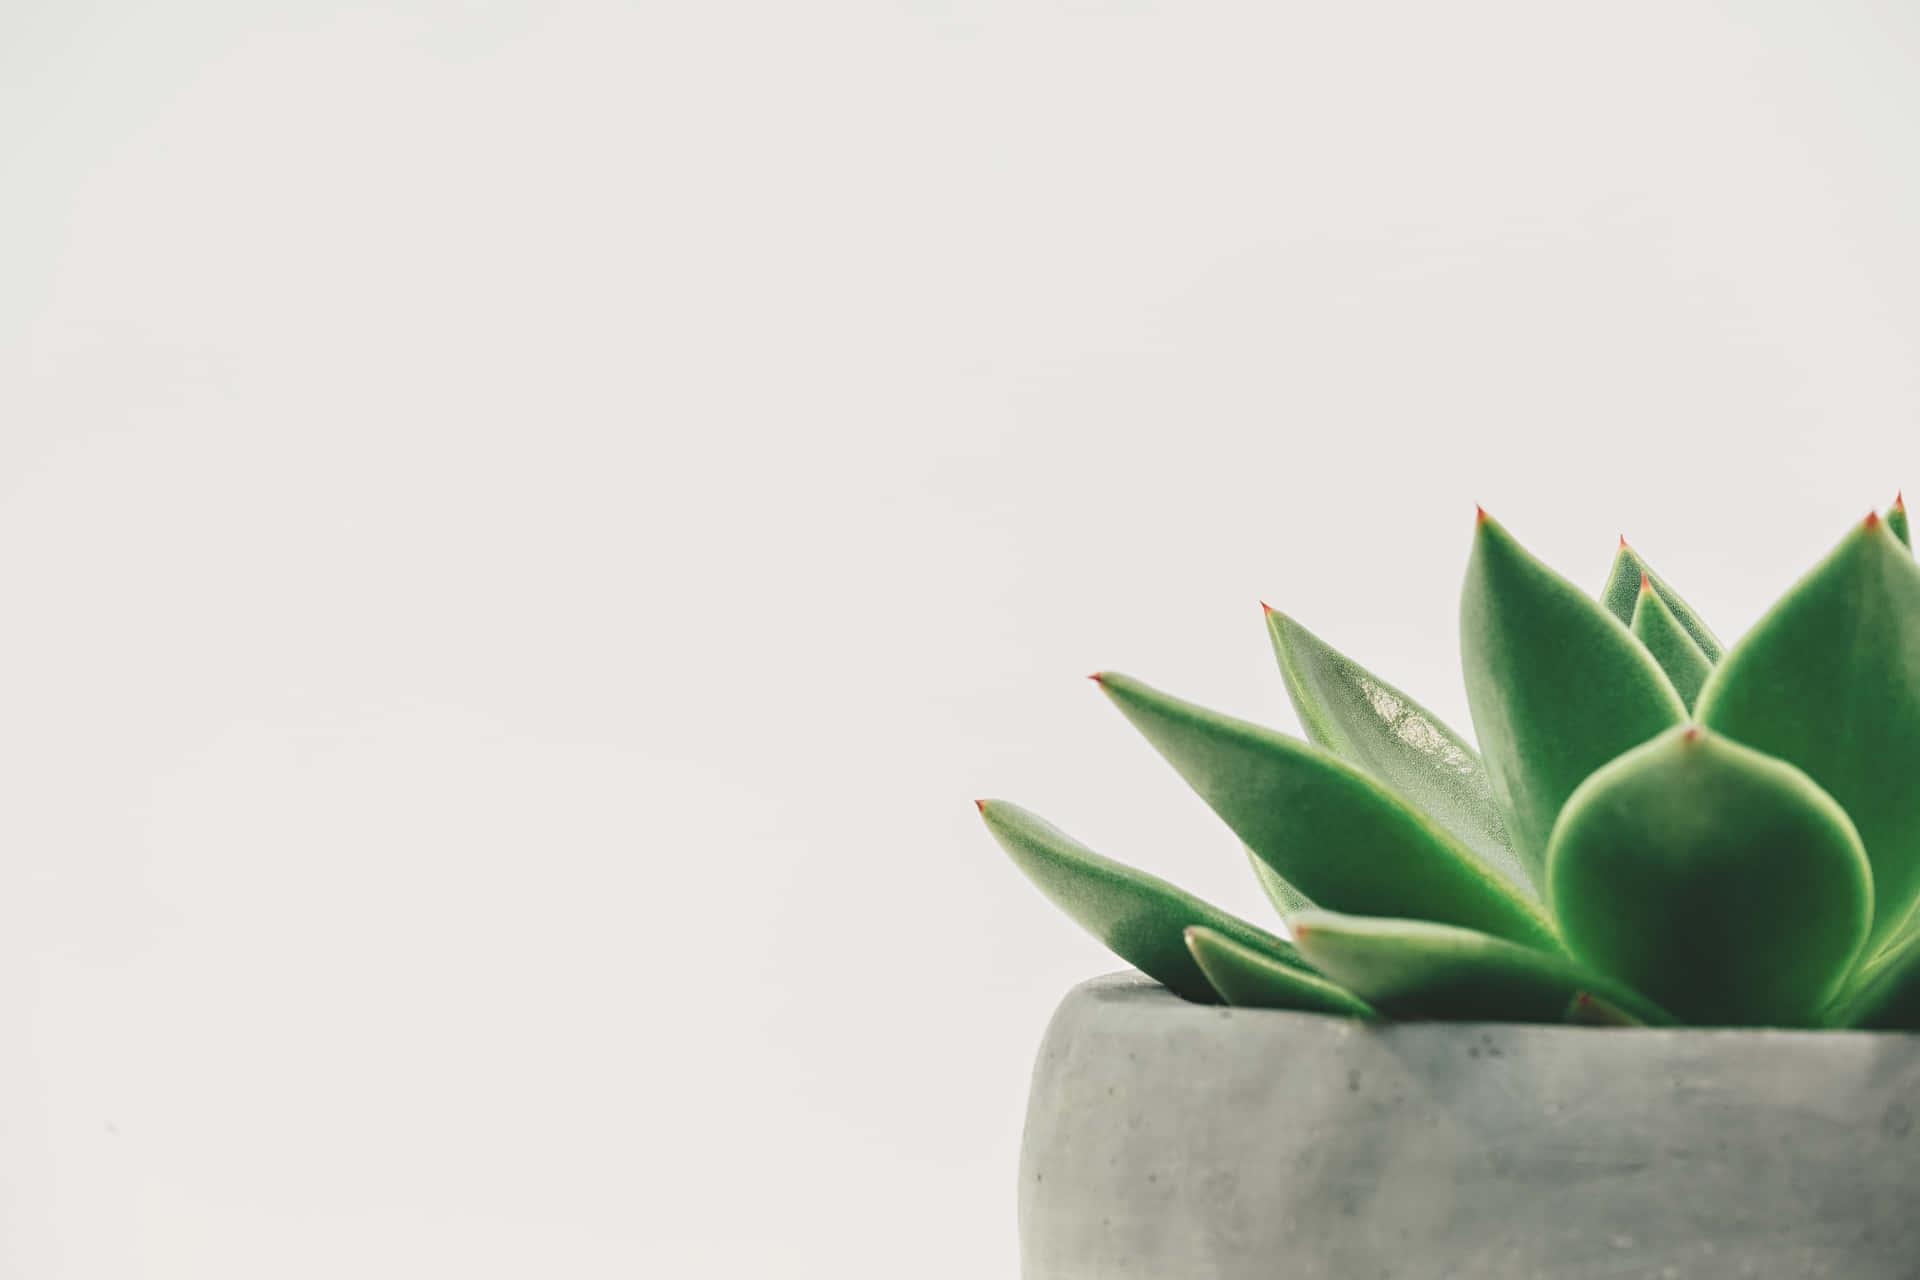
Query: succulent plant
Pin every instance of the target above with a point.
(1655, 830)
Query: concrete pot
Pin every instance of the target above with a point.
(1185, 1142)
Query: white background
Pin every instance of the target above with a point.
(524, 527)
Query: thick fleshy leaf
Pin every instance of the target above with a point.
(1285, 898)
(1721, 882)
(1897, 521)
(1141, 918)
(1588, 1010)
(1252, 979)
(1333, 832)
(1670, 645)
(1415, 969)
(1884, 995)
(1557, 685)
(1367, 722)
(1829, 680)
(1622, 593)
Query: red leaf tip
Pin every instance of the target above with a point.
(1873, 518)
(1299, 931)
(1267, 608)
(1584, 1000)
(1479, 514)
(1899, 502)
(1095, 677)
(1623, 542)
(1645, 586)
(1691, 734)
(981, 805)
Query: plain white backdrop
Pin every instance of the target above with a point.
(525, 526)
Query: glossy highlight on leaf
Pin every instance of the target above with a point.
(1655, 626)
(1829, 680)
(1622, 594)
(1249, 978)
(1335, 833)
(1368, 723)
(1721, 882)
(1557, 685)
(1416, 969)
(1884, 994)
(1141, 918)
(1757, 865)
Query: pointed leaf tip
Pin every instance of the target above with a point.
(1267, 609)
(1873, 518)
(1138, 916)
(981, 805)
(1290, 802)
(1479, 514)
(1645, 586)
(1623, 542)
(1691, 734)
(1899, 501)
(1351, 712)
(1096, 677)
(1556, 683)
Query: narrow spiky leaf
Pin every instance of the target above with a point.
(1557, 685)
(1721, 882)
(1249, 978)
(1897, 521)
(1829, 680)
(1369, 723)
(1336, 833)
(1415, 969)
(1622, 593)
(1670, 645)
(1141, 918)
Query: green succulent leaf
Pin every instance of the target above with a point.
(1622, 594)
(1721, 882)
(1141, 918)
(1829, 680)
(1588, 1010)
(1884, 994)
(1670, 645)
(1335, 833)
(1416, 969)
(1250, 978)
(1557, 686)
(1897, 521)
(1285, 898)
(1367, 722)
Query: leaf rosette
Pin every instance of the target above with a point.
(1648, 827)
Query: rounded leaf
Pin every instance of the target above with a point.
(1723, 883)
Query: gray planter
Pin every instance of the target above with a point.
(1183, 1142)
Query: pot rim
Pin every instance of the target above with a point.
(1132, 987)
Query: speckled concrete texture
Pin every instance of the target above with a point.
(1183, 1142)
